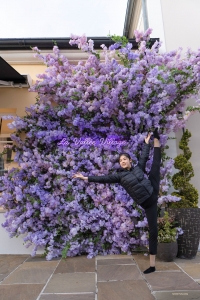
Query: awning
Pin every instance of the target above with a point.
(9, 74)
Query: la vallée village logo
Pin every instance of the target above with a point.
(111, 141)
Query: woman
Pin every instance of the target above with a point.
(143, 191)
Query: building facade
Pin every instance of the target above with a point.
(175, 22)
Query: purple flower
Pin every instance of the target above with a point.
(100, 99)
(115, 46)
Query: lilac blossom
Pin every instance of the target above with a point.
(168, 198)
(94, 99)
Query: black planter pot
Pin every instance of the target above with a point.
(189, 220)
(167, 251)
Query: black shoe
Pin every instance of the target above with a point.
(150, 270)
(155, 134)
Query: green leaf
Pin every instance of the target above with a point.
(65, 250)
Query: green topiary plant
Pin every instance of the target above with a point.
(185, 190)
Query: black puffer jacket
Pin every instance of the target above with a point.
(133, 181)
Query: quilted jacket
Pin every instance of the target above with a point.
(133, 180)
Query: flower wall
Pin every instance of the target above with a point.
(84, 116)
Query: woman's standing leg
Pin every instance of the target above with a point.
(151, 214)
(151, 210)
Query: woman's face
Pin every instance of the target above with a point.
(125, 162)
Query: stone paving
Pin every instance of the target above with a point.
(113, 277)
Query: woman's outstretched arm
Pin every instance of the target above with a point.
(145, 153)
(110, 178)
(79, 175)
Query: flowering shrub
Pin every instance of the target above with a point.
(190, 111)
(117, 93)
(167, 229)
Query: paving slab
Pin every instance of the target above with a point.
(171, 281)
(67, 297)
(71, 283)
(190, 261)
(116, 256)
(118, 272)
(118, 278)
(192, 270)
(2, 276)
(178, 295)
(113, 261)
(143, 264)
(197, 280)
(76, 264)
(8, 263)
(20, 291)
(124, 290)
(41, 258)
(32, 272)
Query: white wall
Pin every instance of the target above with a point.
(13, 245)
(181, 23)
(155, 19)
(193, 126)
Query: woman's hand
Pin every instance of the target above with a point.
(148, 138)
(79, 175)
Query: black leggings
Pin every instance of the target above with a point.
(150, 205)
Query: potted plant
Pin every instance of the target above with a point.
(185, 211)
(168, 232)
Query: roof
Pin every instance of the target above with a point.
(9, 74)
(62, 43)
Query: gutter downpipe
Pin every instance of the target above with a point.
(145, 15)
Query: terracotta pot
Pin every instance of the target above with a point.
(167, 251)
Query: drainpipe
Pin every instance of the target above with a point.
(145, 14)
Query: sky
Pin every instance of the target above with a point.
(60, 18)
